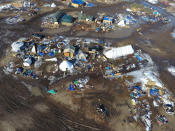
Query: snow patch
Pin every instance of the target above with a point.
(171, 69)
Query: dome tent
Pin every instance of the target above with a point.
(66, 65)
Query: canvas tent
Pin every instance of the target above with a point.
(113, 53)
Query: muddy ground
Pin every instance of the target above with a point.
(24, 106)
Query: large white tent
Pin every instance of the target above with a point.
(66, 65)
(113, 53)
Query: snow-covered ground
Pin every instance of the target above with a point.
(146, 73)
(171, 69)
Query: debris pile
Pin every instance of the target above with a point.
(80, 84)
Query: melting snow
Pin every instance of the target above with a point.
(171, 69)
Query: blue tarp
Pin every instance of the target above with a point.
(156, 13)
(108, 18)
(128, 17)
(137, 87)
(112, 74)
(154, 92)
(41, 54)
(70, 88)
(79, 2)
(89, 66)
(101, 41)
(52, 91)
(98, 29)
(138, 58)
(107, 68)
(51, 54)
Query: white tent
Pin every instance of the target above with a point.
(53, 5)
(65, 65)
(121, 23)
(113, 53)
(16, 46)
(27, 62)
(153, 1)
(33, 50)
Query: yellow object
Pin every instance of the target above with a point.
(75, 5)
(107, 21)
(17, 4)
(133, 102)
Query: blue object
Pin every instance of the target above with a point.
(41, 54)
(156, 13)
(137, 87)
(154, 92)
(70, 88)
(98, 29)
(89, 66)
(108, 18)
(125, 22)
(100, 41)
(107, 68)
(128, 17)
(79, 2)
(37, 9)
(52, 91)
(51, 54)
(112, 74)
(138, 94)
(90, 5)
(132, 95)
(138, 58)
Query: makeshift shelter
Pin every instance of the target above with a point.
(107, 20)
(77, 3)
(81, 56)
(58, 15)
(69, 51)
(113, 53)
(66, 66)
(16, 46)
(67, 20)
(84, 18)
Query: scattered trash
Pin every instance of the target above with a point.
(80, 83)
(161, 120)
(169, 109)
(14, 20)
(52, 91)
(8, 69)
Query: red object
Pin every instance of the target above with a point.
(165, 3)
(159, 123)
